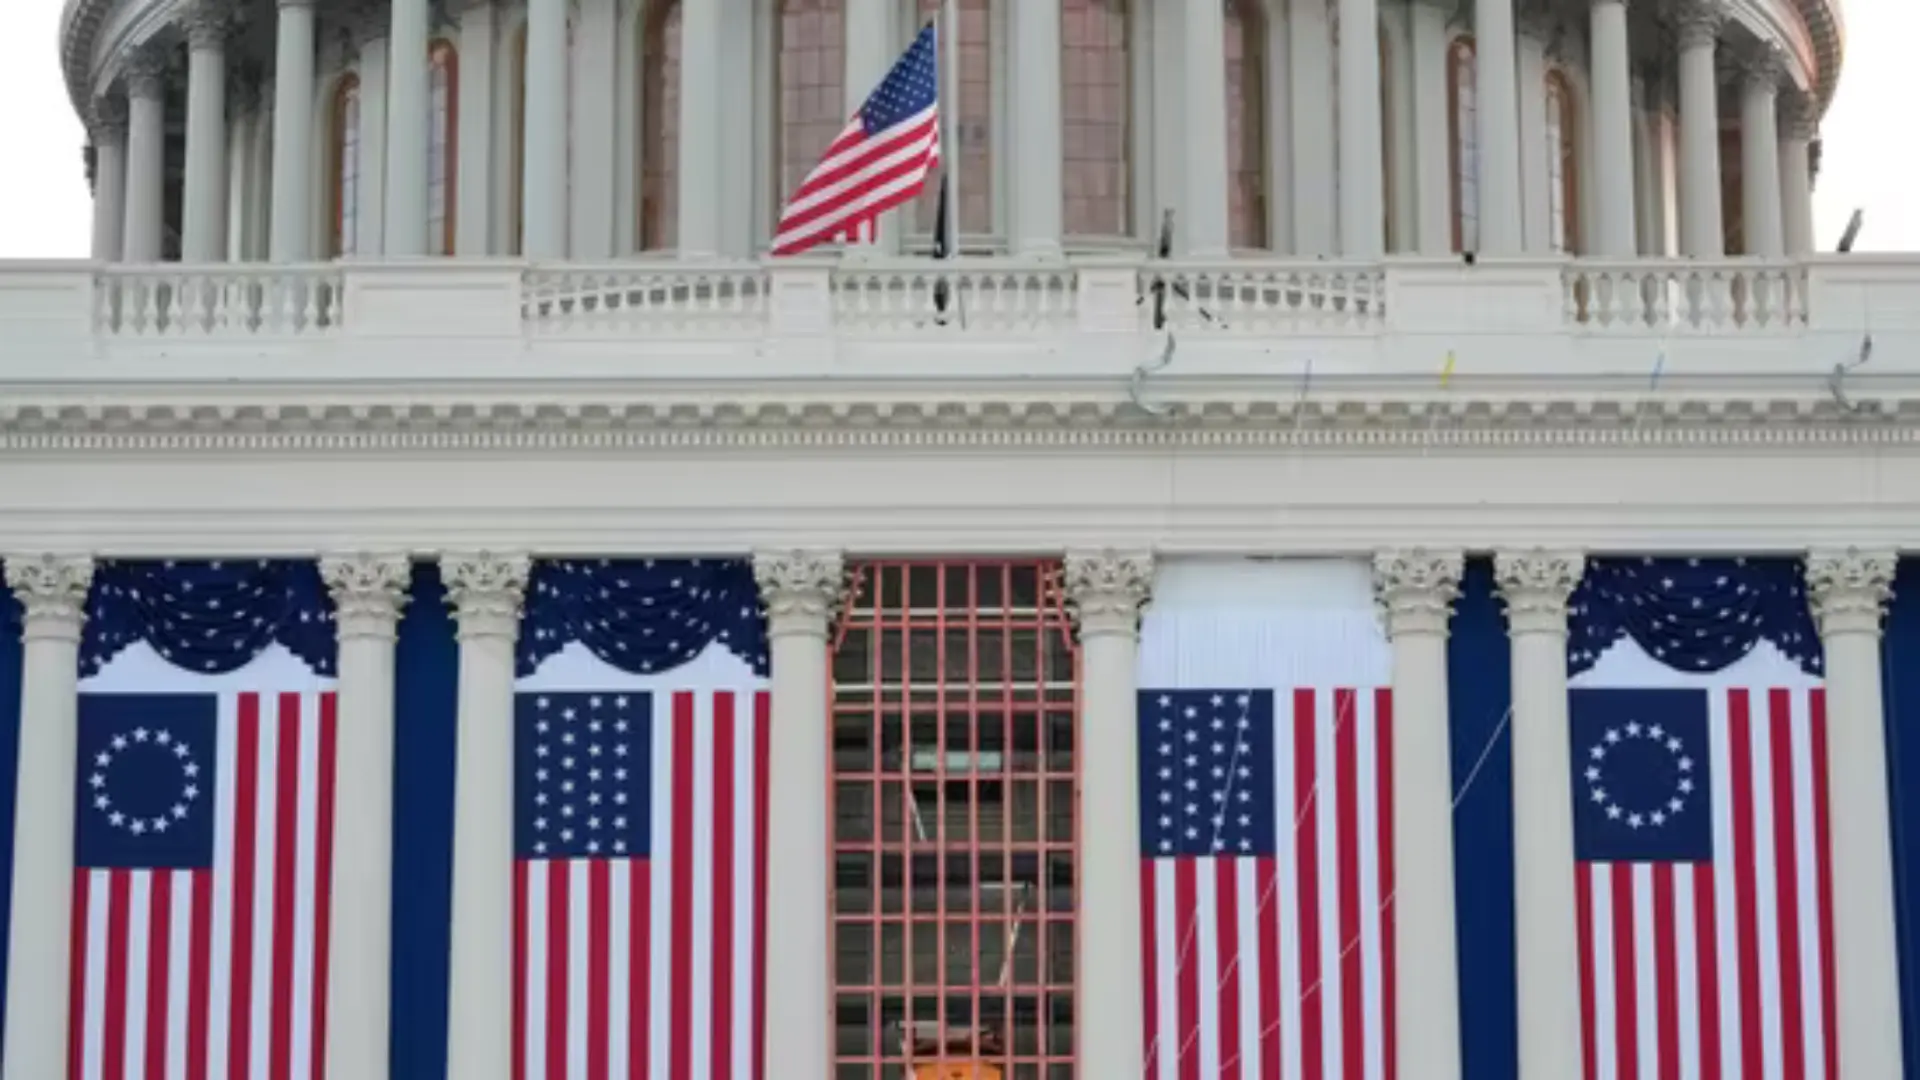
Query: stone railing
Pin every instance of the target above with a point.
(1706, 296)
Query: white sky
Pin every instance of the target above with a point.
(45, 208)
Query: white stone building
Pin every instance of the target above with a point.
(475, 281)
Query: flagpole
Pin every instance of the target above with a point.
(950, 117)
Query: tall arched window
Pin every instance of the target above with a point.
(812, 86)
(1563, 171)
(343, 201)
(975, 122)
(1464, 139)
(660, 125)
(1246, 46)
(1097, 117)
(443, 74)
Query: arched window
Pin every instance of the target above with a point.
(443, 74)
(812, 85)
(660, 125)
(974, 124)
(1097, 117)
(1563, 172)
(1246, 46)
(343, 201)
(1464, 139)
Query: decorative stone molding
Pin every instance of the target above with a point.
(1535, 586)
(1798, 120)
(1848, 589)
(1765, 67)
(801, 590)
(485, 590)
(52, 591)
(1698, 23)
(1105, 590)
(369, 590)
(246, 89)
(1415, 589)
(109, 118)
(146, 70)
(207, 24)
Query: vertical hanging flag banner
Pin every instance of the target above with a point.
(1699, 769)
(640, 818)
(1266, 816)
(203, 840)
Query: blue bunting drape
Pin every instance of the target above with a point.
(643, 615)
(1692, 614)
(209, 617)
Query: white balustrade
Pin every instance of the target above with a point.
(625, 299)
(222, 300)
(1697, 296)
(962, 297)
(1250, 298)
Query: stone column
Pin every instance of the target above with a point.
(702, 152)
(1848, 591)
(1702, 234)
(1535, 585)
(1796, 183)
(1363, 186)
(369, 37)
(109, 177)
(872, 47)
(473, 226)
(290, 238)
(1106, 590)
(801, 590)
(1762, 225)
(543, 186)
(485, 590)
(1612, 111)
(1497, 119)
(1038, 209)
(52, 591)
(203, 206)
(1432, 156)
(368, 593)
(407, 117)
(146, 72)
(1203, 223)
(1416, 590)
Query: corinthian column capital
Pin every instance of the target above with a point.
(802, 590)
(1535, 586)
(1106, 589)
(1848, 589)
(369, 590)
(52, 591)
(1699, 22)
(1415, 589)
(485, 589)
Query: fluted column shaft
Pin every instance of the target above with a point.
(368, 593)
(1416, 590)
(109, 178)
(1761, 222)
(52, 591)
(702, 154)
(1535, 586)
(1106, 590)
(203, 211)
(146, 160)
(1848, 591)
(800, 589)
(1363, 185)
(1204, 222)
(543, 187)
(1037, 182)
(407, 120)
(1497, 121)
(1796, 186)
(290, 238)
(1702, 234)
(1612, 108)
(485, 591)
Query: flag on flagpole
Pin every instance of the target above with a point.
(1265, 726)
(880, 160)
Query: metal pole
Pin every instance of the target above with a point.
(950, 117)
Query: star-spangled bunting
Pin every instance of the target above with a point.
(209, 617)
(1692, 614)
(643, 616)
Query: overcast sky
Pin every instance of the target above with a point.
(44, 205)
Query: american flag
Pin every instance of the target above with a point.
(1266, 870)
(881, 159)
(202, 870)
(639, 884)
(1704, 882)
